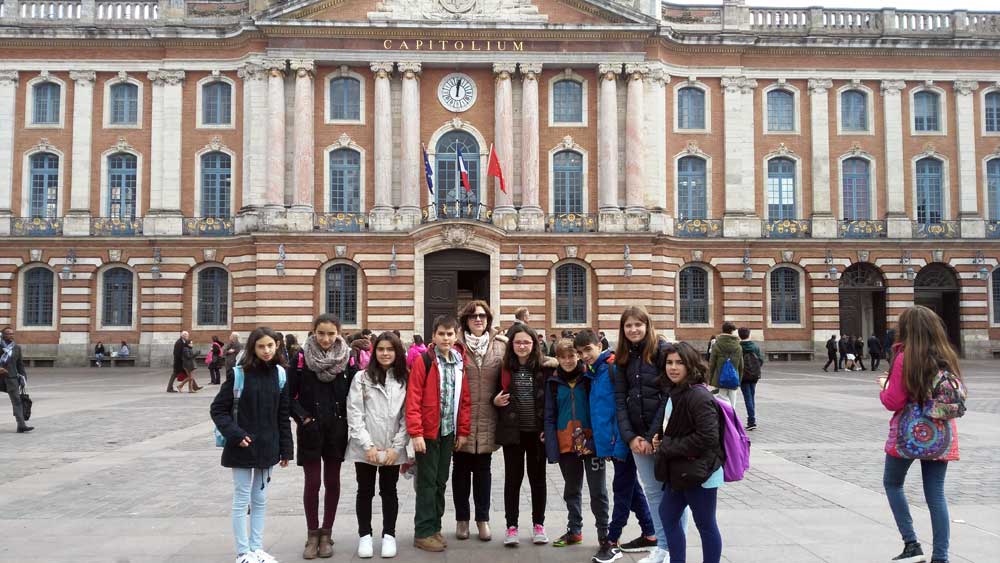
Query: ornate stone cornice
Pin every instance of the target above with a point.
(410, 69)
(43, 146)
(166, 77)
(738, 84)
(966, 87)
(820, 85)
(567, 143)
(121, 77)
(123, 146)
(252, 71)
(530, 71)
(504, 70)
(892, 87)
(609, 71)
(83, 77)
(8, 77)
(344, 141)
(382, 69)
(216, 145)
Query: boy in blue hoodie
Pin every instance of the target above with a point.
(608, 444)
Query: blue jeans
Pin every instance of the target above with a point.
(249, 488)
(654, 493)
(702, 503)
(933, 473)
(749, 396)
(628, 497)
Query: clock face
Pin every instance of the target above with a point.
(457, 92)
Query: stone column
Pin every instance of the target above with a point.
(898, 221)
(411, 162)
(300, 216)
(274, 200)
(8, 101)
(255, 147)
(973, 223)
(531, 216)
(382, 214)
(824, 224)
(165, 217)
(610, 217)
(655, 140)
(77, 221)
(740, 219)
(504, 214)
(635, 165)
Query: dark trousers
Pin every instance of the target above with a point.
(13, 384)
(749, 399)
(860, 360)
(388, 476)
(702, 502)
(573, 468)
(531, 453)
(843, 360)
(875, 362)
(471, 474)
(628, 497)
(170, 384)
(329, 469)
(215, 373)
(432, 479)
(831, 358)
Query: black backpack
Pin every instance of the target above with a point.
(751, 367)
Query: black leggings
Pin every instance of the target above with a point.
(388, 476)
(531, 453)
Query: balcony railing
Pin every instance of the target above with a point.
(115, 227)
(788, 228)
(72, 11)
(207, 227)
(456, 210)
(698, 228)
(862, 228)
(570, 223)
(340, 222)
(36, 226)
(944, 229)
(993, 229)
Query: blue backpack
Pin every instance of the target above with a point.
(220, 440)
(728, 378)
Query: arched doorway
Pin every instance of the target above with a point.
(452, 278)
(937, 288)
(451, 198)
(862, 301)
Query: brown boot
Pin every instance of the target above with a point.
(430, 543)
(312, 545)
(325, 543)
(440, 538)
(462, 530)
(484, 531)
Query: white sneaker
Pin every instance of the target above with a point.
(365, 547)
(388, 546)
(264, 557)
(248, 557)
(538, 536)
(658, 555)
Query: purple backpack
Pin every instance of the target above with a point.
(735, 443)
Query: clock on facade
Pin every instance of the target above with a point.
(457, 92)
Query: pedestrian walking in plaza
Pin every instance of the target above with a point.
(438, 413)
(14, 377)
(188, 367)
(842, 349)
(639, 398)
(690, 455)
(258, 436)
(888, 350)
(216, 361)
(727, 347)
(471, 474)
(569, 442)
(99, 353)
(849, 361)
(859, 353)
(924, 361)
(319, 406)
(831, 354)
(361, 351)
(232, 353)
(416, 349)
(609, 445)
(177, 368)
(376, 421)
(874, 351)
(296, 357)
(753, 361)
(520, 406)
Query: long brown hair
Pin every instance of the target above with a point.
(926, 350)
(649, 344)
(510, 361)
(376, 373)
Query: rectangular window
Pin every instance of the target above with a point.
(38, 304)
(781, 189)
(854, 111)
(691, 191)
(992, 112)
(857, 205)
(47, 99)
(216, 104)
(690, 108)
(925, 117)
(345, 99)
(124, 104)
(929, 196)
(567, 182)
(785, 296)
(694, 295)
(567, 103)
(780, 111)
(571, 295)
(342, 293)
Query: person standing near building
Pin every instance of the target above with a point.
(232, 352)
(874, 351)
(859, 353)
(217, 361)
(551, 348)
(727, 347)
(843, 349)
(753, 361)
(831, 354)
(178, 366)
(522, 315)
(13, 374)
(416, 350)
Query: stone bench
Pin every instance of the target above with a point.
(789, 355)
(39, 361)
(122, 361)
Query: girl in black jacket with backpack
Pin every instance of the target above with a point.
(258, 437)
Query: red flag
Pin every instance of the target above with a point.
(493, 169)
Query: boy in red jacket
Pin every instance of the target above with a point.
(438, 419)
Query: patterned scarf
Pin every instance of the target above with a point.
(327, 364)
(8, 349)
(478, 345)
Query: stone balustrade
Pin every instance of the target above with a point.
(51, 10)
(82, 11)
(143, 11)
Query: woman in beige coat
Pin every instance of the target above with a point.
(471, 474)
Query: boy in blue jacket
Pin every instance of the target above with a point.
(608, 444)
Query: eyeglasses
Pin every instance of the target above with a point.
(523, 344)
(478, 316)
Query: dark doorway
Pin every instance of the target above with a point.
(452, 278)
(937, 288)
(862, 301)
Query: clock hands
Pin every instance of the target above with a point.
(458, 88)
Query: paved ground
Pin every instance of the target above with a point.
(119, 471)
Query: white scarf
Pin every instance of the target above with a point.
(477, 345)
(8, 349)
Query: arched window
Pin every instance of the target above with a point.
(345, 181)
(693, 295)
(216, 173)
(124, 104)
(39, 284)
(342, 293)
(216, 100)
(44, 196)
(785, 296)
(926, 111)
(213, 297)
(993, 189)
(692, 201)
(780, 189)
(996, 295)
(46, 98)
(449, 189)
(117, 306)
(567, 182)
(780, 110)
(121, 186)
(571, 294)
(929, 192)
(690, 108)
(567, 102)
(854, 110)
(857, 196)
(345, 98)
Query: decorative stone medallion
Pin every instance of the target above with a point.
(862, 256)
(208, 254)
(36, 254)
(697, 255)
(340, 250)
(938, 256)
(457, 235)
(787, 255)
(570, 252)
(457, 6)
(114, 255)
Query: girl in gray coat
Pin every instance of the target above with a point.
(377, 432)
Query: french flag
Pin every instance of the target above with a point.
(428, 171)
(463, 172)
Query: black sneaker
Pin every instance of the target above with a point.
(911, 554)
(752, 426)
(607, 553)
(641, 543)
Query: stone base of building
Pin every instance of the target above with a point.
(531, 219)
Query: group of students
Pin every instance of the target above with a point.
(848, 353)
(645, 407)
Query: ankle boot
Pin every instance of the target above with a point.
(462, 530)
(312, 545)
(325, 543)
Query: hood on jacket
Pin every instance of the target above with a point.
(727, 343)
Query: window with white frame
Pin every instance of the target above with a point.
(47, 99)
(342, 293)
(691, 108)
(117, 293)
(567, 182)
(124, 104)
(216, 103)
(926, 111)
(122, 182)
(213, 297)
(785, 296)
(780, 189)
(855, 177)
(216, 175)
(692, 288)
(567, 101)
(854, 111)
(44, 195)
(345, 181)
(345, 99)
(991, 112)
(780, 110)
(993, 189)
(692, 200)
(571, 294)
(39, 299)
(930, 196)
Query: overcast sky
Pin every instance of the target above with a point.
(983, 5)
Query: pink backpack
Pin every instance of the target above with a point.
(735, 443)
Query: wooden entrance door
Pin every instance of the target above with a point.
(451, 279)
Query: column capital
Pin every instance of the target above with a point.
(636, 71)
(252, 71)
(820, 85)
(303, 67)
(965, 87)
(504, 70)
(892, 87)
(609, 71)
(410, 69)
(8, 77)
(738, 84)
(166, 77)
(274, 66)
(83, 77)
(530, 71)
(657, 74)
(382, 69)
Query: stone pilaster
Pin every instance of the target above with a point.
(164, 217)
(8, 101)
(411, 162)
(824, 224)
(255, 149)
(531, 216)
(898, 222)
(610, 216)
(504, 214)
(274, 200)
(635, 156)
(740, 219)
(655, 141)
(300, 216)
(973, 223)
(77, 221)
(382, 214)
